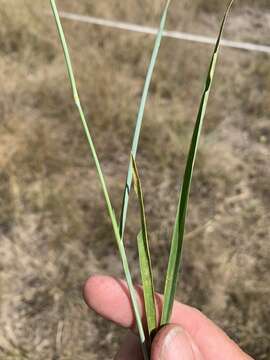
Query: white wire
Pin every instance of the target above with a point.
(171, 34)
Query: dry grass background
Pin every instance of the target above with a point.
(54, 231)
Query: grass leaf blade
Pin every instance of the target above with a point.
(139, 119)
(102, 180)
(178, 233)
(147, 282)
(145, 259)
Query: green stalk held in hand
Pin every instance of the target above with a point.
(119, 232)
(102, 181)
(179, 227)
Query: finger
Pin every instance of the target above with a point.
(110, 298)
(130, 349)
(173, 343)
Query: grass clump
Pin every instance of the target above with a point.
(179, 227)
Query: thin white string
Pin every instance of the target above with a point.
(171, 34)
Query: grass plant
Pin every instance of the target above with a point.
(179, 227)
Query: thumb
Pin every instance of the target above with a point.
(173, 343)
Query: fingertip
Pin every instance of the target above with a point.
(159, 341)
(109, 297)
(91, 289)
(174, 342)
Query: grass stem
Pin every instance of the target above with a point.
(102, 180)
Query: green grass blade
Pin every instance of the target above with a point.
(101, 178)
(179, 227)
(147, 282)
(139, 119)
(145, 259)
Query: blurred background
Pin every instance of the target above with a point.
(54, 230)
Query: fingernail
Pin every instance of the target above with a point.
(177, 346)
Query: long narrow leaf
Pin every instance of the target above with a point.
(145, 259)
(101, 178)
(179, 227)
(139, 119)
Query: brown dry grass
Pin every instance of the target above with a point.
(54, 231)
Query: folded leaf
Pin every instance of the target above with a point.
(145, 259)
(147, 282)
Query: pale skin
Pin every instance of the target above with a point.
(190, 336)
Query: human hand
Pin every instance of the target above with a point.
(191, 336)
